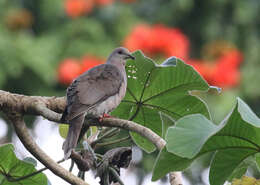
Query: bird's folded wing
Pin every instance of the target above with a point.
(91, 88)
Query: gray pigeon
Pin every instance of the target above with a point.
(94, 93)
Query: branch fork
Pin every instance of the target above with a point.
(15, 106)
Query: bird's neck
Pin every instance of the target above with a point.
(120, 66)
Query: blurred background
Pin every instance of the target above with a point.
(45, 44)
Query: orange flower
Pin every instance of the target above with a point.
(226, 72)
(204, 68)
(139, 38)
(158, 40)
(170, 41)
(68, 70)
(223, 71)
(76, 8)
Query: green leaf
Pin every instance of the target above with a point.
(167, 122)
(12, 168)
(234, 140)
(225, 162)
(162, 88)
(238, 172)
(63, 130)
(30, 160)
(167, 162)
(257, 159)
(195, 129)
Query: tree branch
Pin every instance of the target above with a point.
(132, 126)
(29, 104)
(49, 108)
(38, 153)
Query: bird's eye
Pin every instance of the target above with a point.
(120, 52)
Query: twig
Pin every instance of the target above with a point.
(25, 137)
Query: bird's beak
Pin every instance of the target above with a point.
(129, 56)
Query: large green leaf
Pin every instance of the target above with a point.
(193, 131)
(225, 162)
(12, 168)
(167, 162)
(162, 88)
(234, 140)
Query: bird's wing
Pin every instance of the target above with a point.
(91, 88)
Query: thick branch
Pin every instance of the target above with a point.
(36, 151)
(31, 104)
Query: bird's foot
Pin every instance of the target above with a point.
(101, 118)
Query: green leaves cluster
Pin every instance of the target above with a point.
(13, 170)
(159, 97)
(153, 88)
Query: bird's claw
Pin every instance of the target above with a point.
(101, 118)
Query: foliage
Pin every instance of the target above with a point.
(186, 122)
(45, 44)
(11, 169)
(234, 140)
(149, 88)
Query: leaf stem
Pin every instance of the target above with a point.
(106, 134)
(115, 174)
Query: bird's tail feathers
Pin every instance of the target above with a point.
(73, 135)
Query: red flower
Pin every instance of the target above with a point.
(226, 72)
(76, 8)
(223, 71)
(68, 70)
(104, 2)
(139, 38)
(170, 41)
(90, 61)
(157, 40)
(204, 68)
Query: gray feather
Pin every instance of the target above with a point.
(75, 126)
(95, 92)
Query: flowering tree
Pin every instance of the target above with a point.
(181, 128)
(44, 45)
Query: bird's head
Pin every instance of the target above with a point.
(120, 55)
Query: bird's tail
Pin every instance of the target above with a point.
(70, 143)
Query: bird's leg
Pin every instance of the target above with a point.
(104, 115)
